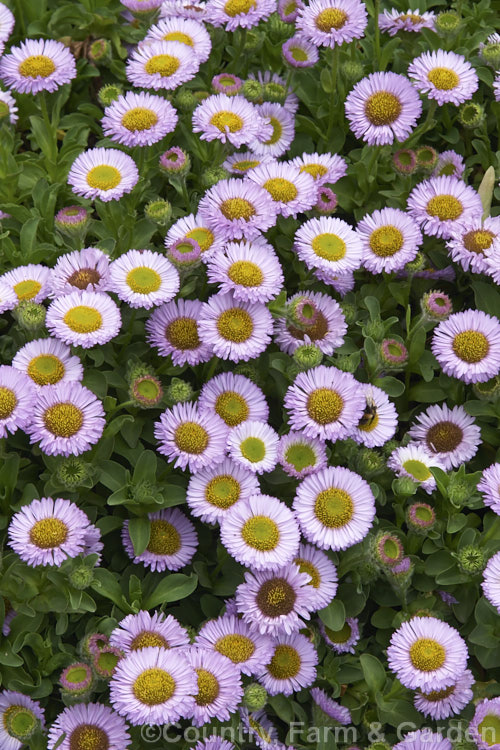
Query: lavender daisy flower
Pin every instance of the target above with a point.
(491, 581)
(162, 65)
(243, 161)
(236, 640)
(184, 9)
(450, 434)
(153, 686)
(427, 653)
(393, 21)
(86, 270)
(436, 306)
(218, 689)
(322, 572)
(474, 242)
(103, 173)
(444, 76)
(282, 123)
(184, 30)
(7, 21)
(76, 680)
(485, 725)
(420, 517)
(48, 532)
(328, 23)
(254, 445)
(489, 487)
(261, 533)
(37, 65)
(467, 346)
(441, 704)
(331, 708)
(191, 438)
(299, 52)
(330, 244)
(288, 10)
(175, 161)
(31, 282)
(172, 541)
(335, 508)
(143, 278)
(496, 87)
(393, 353)
(235, 330)
(142, 630)
(379, 421)
(214, 490)
(239, 13)
(142, 6)
(260, 729)
(237, 209)
(47, 362)
(249, 271)
(84, 319)
(228, 119)
(441, 203)
(87, 725)
(327, 332)
(300, 455)
(390, 238)
(325, 168)
(173, 330)
(292, 665)
(139, 119)
(234, 398)
(342, 641)
(274, 601)
(424, 739)
(17, 398)
(19, 716)
(383, 107)
(413, 461)
(449, 163)
(324, 402)
(8, 297)
(291, 190)
(8, 107)
(214, 743)
(226, 83)
(341, 282)
(195, 228)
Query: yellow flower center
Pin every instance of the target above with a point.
(84, 277)
(164, 538)
(382, 108)
(300, 456)
(331, 18)
(277, 131)
(334, 508)
(224, 119)
(238, 648)
(8, 402)
(234, 7)
(261, 532)
(27, 289)
(285, 663)
(63, 420)
(232, 408)
(386, 241)
(478, 241)
(204, 237)
(37, 65)
(445, 207)
(444, 436)
(245, 273)
(83, 319)
(298, 54)
(329, 246)
(208, 687)
(427, 655)
(489, 729)
(235, 325)
(412, 17)
(280, 189)
(443, 79)
(46, 369)
(471, 346)
(315, 170)
(179, 36)
(191, 437)
(148, 638)
(305, 566)
(245, 165)
(164, 65)
(417, 469)
(276, 597)
(222, 491)
(153, 686)
(104, 177)
(182, 333)
(439, 695)
(48, 533)
(253, 449)
(88, 737)
(324, 405)
(237, 208)
(143, 280)
(139, 118)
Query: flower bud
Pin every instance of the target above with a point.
(179, 391)
(436, 306)
(159, 211)
(404, 161)
(420, 517)
(471, 115)
(30, 316)
(255, 697)
(109, 94)
(307, 356)
(393, 353)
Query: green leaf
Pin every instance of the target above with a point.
(392, 386)
(333, 616)
(428, 393)
(373, 672)
(145, 468)
(27, 237)
(172, 588)
(487, 298)
(140, 532)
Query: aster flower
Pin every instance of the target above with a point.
(143, 278)
(141, 6)
(236, 640)
(260, 729)
(390, 239)
(238, 208)
(17, 397)
(292, 665)
(322, 572)
(413, 461)
(172, 541)
(214, 490)
(31, 282)
(239, 13)
(393, 21)
(436, 306)
(7, 21)
(274, 601)
(48, 532)
(449, 163)
(300, 455)
(324, 402)
(19, 714)
(467, 346)
(67, 419)
(76, 681)
(327, 332)
(491, 581)
(379, 421)
(328, 23)
(288, 10)
(331, 708)
(450, 434)
(103, 173)
(191, 438)
(474, 242)
(335, 508)
(218, 689)
(142, 630)
(489, 487)
(92, 723)
(173, 330)
(260, 533)
(299, 52)
(84, 319)
(195, 228)
(8, 107)
(282, 122)
(291, 190)
(330, 244)
(228, 119)
(342, 641)
(47, 362)
(444, 76)
(162, 65)
(214, 743)
(8, 297)
(243, 161)
(251, 271)
(420, 517)
(424, 739)
(254, 445)
(484, 727)
(427, 653)
(440, 203)
(234, 398)
(226, 83)
(441, 704)
(138, 119)
(496, 87)
(184, 9)
(86, 270)
(184, 30)
(325, 168)
(37, 65)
